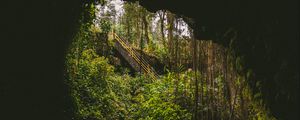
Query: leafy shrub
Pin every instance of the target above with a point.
(157, 101)
(98, 93)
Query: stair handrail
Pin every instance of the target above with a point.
(142, 62)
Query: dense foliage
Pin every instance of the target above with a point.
(202, 80)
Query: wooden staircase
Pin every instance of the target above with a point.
(134, 58)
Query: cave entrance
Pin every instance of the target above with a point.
(129, 63)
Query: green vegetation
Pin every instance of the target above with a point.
(201, 80)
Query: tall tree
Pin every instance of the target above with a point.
(145, 22)
(170, 26)
(162, 19)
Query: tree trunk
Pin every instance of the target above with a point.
(162, 19)
(170, 20)
(146, 28)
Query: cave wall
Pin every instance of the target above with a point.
(266, 36)
(34, 37)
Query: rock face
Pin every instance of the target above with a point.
(265, 33)
(34, 37)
